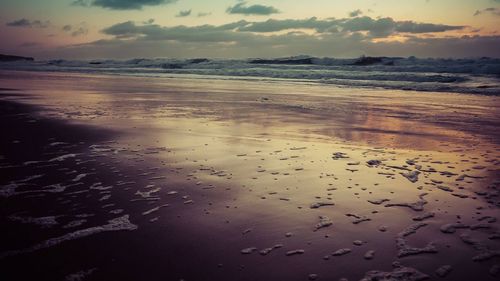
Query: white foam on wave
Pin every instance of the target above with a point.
(57, 143)
(63, 157)
(80, 275)
(79, 177)
(75, 223)
(99, 186)
(30, 178)
(9, 190)
(480, 75)
(47, 221)
(117, 224)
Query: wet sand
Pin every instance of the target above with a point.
(127, 178)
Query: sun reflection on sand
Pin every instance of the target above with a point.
(226, 171)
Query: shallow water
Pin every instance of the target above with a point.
(247, 180)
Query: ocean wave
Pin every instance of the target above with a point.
(481, 75)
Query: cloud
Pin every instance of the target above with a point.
(29, 45)
(67, 28)
(242, 8)
(28, 23)
(287, 45)
(121, 4)
(78, 30)
(492, 11)
(183, 13)
(348, 37)
(413, 27)
(273, 25)
(154, 32)
(464, 46)
(355, 13)
(204, 14)
(372, 28)
(381, 27)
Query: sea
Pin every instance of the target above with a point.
(468, 75)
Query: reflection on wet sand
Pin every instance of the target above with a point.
(241, 180)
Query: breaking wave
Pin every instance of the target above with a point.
(479, 76)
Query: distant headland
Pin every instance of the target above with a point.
(15, 58)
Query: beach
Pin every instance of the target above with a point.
(126, 177)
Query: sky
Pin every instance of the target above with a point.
(90, 29)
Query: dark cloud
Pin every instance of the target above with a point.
(289, 44)
(355, 13)
(464, 46)
(273, 25)
(378, 28)
(184, 13)
(77, 30)
(125, 29)
(381, 27)
(121, 4)
(493, 11)
(348, 37)
(242, 8)
(29, 45)
(413, 27)
(28, 23)
(154, 32)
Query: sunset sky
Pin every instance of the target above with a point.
(85, 29)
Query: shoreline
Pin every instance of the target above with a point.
(211, 183)
(388, 112)
(457, 76)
